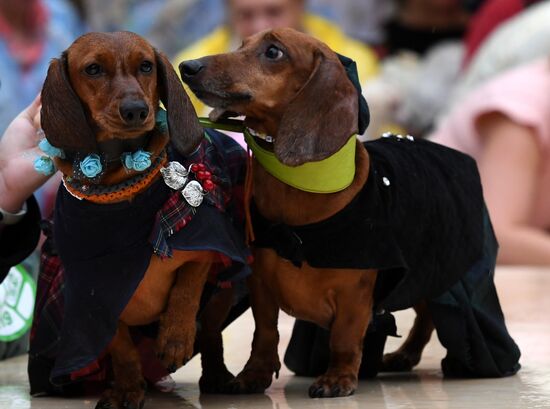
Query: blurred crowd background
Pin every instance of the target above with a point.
(456, 71)
(471, 74)
(417, 58)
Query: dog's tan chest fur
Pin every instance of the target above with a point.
(309, 293)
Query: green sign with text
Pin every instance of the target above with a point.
(17, 295)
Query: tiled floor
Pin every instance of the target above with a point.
(525, 295)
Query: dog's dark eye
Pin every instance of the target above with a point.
(273, 53)
(93, 69)
(146, 66)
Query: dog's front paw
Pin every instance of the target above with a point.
(399, 362)
(175, 346)
(333, 385)
(215, 381)
(122, 399)
(250, 381)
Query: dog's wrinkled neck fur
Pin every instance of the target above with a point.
(282, 203)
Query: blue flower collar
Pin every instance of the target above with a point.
(93, 166)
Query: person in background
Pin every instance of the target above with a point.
(491, 14)
(363, 20)
(527, 38)
(423, 53)
(504, 124)
(32, 32)
(168, 24)
(19, 214)
(19, 229)
(418, 25)
(247, 17)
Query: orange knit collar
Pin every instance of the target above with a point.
(123, 191)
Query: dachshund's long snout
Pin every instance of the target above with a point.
(134, 112)
(191, 68)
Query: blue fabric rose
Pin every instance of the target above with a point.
(44, 165)
(139, 160)
(50, 150)
(91, 166)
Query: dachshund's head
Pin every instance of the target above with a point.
(288, 85)
(108, 86)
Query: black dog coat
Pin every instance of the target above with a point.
(421, 221)
(105, 251)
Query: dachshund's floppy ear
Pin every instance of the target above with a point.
(321, 118)
(183, 124)
(62, 117)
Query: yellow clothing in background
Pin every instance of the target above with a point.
(219, 41)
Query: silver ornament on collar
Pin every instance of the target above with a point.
(193, 193)
(175, 175)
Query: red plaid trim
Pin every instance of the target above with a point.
(225, 161)
(49, 294)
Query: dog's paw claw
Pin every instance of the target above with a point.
(175, 354)
(175, 347)
(117, 399)
(398, 362)
(217, 382)
(104, 404)
(132, 405)
(250, 381)
(332, 386)
(107, 401)
(315, 391)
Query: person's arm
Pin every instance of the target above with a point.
(18, 181)
(510, 171)
(18, 150)
(18, 241)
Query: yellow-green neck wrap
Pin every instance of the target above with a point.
(329, 175)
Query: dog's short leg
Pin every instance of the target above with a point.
(257, 374)
(177, 328)
(215, 375)
(129, 385)
(352, 316)
(346, 341)
(409, 353)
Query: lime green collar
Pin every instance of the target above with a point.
(329, 175)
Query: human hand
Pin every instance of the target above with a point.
(18, 150)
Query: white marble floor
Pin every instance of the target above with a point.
(525, 296)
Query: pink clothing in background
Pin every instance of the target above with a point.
(523, 95)
(491, 14)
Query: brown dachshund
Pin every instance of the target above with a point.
(265, 90)
(102, 96)
(294, 89)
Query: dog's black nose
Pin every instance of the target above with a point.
(191, 68)
(134, 112)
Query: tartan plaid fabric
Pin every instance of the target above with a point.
(48, 309)
(224, 159)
